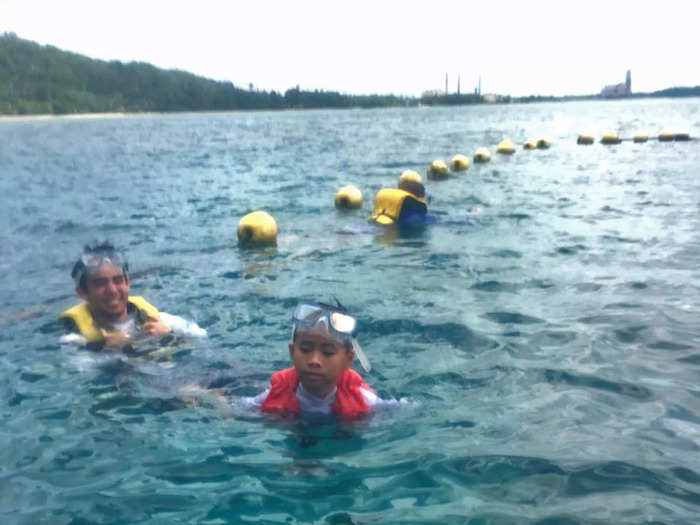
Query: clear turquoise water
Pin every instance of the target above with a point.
(546, 328)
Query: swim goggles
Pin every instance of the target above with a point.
(94, 260)
(336, 319)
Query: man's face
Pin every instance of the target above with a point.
(318, 359)
(106, 291)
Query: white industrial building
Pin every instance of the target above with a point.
(619, 90)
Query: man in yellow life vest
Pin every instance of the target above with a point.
(109, 317)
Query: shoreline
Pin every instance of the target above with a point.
(46, 116)
(534, 100)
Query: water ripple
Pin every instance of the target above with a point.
(457, 335)
(511, 318)
(637, 392)
(542, 332)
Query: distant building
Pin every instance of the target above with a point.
(623, 89)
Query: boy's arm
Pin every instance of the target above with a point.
(370, 397)
(375, 402)
(256, 401)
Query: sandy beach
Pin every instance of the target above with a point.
(67, 116)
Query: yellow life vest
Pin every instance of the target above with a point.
(390, 204)
(81, 316)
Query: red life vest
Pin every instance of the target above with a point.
(349, 402)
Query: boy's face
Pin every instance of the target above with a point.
(318, 359)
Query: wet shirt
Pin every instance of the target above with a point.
(130, 327)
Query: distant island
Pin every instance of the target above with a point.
(37, 79)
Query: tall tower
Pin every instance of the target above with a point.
(628, 83)
(458, 78)
(445, 83)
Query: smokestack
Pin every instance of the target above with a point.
(458, 79)
(446, 84)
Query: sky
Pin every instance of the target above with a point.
(379, 47)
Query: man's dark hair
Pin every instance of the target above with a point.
(412, 186)
(104, 248)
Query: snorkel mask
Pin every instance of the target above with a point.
(335, 319)
(93, 258)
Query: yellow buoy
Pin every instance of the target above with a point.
(348, 197)
(437, 169)
(610, 137)
(640, 137)
(585, 139)
(459, 162)
(258, 227)
(505, 146)
(667, 135)
(530, 144)
(543, 143)
(410, 175)
(482, 155)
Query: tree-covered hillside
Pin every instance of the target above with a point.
(37, 79)
(678, 92)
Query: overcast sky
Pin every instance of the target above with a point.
(401, 47)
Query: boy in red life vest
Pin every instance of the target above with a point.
(321, 381)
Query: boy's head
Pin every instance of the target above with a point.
(323, 345)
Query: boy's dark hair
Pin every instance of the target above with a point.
(104, 248)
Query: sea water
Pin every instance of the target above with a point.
(544, 328)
